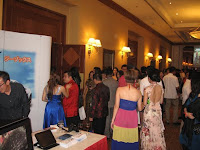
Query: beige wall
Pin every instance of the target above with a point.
(99, 21)
(91, 18)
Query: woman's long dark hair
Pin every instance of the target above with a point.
(154, 75)
(193, 107)
(75, 75)
(52, 84)
(195, 85)
(117, 71)
(89, 74)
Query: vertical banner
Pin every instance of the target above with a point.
(21, 68)
(26, 57)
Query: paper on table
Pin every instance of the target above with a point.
(75, 139)
(80, 138)
(68, 144)
(54, 128)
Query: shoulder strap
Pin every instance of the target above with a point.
(57, 91)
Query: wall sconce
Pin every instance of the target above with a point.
(98, 43)
(169, 60)
(159, 58)
(149, 56)
(93, 42)
(125, 50)
(187, 64)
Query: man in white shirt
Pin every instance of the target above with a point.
(171, 95)
(186, 90)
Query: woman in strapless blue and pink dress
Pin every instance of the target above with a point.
(125, 118)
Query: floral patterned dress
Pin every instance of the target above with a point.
(152, 133)
(90, 84)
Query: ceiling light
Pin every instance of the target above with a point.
(177, 14)
(170, 3)
(195, 34)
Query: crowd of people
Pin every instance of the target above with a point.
(126, 105)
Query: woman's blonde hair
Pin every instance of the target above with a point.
(130, 76)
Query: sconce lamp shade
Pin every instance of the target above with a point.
(169, 59)
(98, 43)
(150, 55)
(92, 42)
(159, 57)
(126, 49)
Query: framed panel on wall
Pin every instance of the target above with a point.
(25, 17)
(132, 58)
(108, 58)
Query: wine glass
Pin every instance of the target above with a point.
(61, 125)
(81, 126)
(87, 126)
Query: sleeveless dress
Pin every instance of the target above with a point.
(125, 130)
(54, 111)
(152, 132)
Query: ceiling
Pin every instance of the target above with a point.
(173, 19)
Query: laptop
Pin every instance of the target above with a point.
(46, 139)
(16, 135)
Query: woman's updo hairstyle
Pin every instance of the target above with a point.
(130, 76)
(154, 75)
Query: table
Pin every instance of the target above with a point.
(93, 141)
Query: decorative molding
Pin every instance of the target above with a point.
(163, 19)
(194, 43)
(133, 18)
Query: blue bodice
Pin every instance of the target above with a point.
(127, 104)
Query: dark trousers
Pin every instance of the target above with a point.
(98, 125)
(72, 120)
(184, 147)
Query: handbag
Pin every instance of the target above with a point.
(196, 128)
(82, 114)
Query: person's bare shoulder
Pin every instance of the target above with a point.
(158, 87)
(62, 87)
(138, 92)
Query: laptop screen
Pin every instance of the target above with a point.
(16, 136)
(45, 138)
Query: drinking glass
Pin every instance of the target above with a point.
(87, 126)
(81, 126)
(61, 125)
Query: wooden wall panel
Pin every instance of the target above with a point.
(74, 56)
(64, 57)
(132, 60)
(20, 16)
